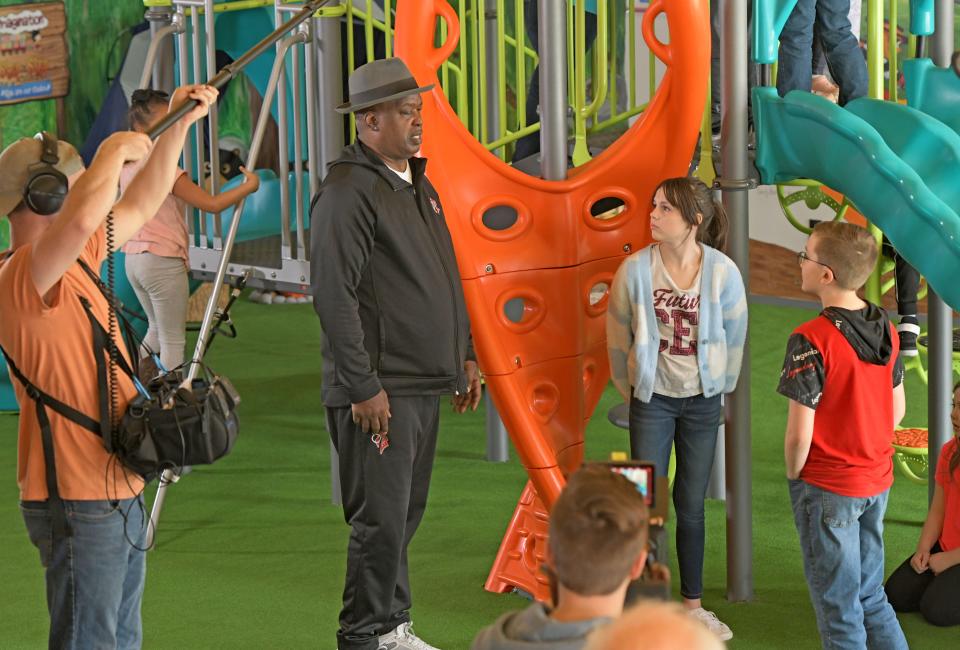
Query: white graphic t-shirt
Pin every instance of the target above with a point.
(678, 318)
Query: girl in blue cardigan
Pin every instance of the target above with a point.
(676, 326)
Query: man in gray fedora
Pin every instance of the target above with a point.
(395, 338)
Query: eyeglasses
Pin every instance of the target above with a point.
(802, 255)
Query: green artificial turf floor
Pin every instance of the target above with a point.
(251, 552)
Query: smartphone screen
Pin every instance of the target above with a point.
(641, 475)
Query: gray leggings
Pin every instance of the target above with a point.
(162, 288)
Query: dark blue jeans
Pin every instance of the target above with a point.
(95, 576)
(840, 48)
(690, 423)
(842, 542)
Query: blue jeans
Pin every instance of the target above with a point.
(691, 423)
(94, 576)
(840, 47)
(842, 543)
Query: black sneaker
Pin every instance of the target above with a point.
(908, 333)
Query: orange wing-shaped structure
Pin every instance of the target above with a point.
(547, 370)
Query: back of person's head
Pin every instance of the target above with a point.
(598, 529)
(698, 208)
(654, 625)
(22, 159)
(849, 250)
(143, 103)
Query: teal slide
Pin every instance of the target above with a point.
(933, 90)
(899, 166)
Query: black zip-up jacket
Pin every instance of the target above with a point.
(386, 284)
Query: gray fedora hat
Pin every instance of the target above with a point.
(380, 81)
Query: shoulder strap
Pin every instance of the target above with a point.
(133, 340)
(45, 399)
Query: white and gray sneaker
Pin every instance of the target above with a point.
(403, 638)
(713, 623)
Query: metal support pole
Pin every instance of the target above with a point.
(298, 81)
(283, 152)
(735, 183)
(313, 136)
(330, 125)
(717, 486)
(182, 55)
(329, 92)
(553, 89)
(939, 314)
(498, 443)
(492, 66)
(213, 117)
(195, 50)
(158, 69)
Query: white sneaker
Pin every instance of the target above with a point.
(713, 623)
(403, 638)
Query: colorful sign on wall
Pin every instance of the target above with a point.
(33, 52)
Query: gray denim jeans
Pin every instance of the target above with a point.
(163, 290)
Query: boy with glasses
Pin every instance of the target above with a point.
(844, 380)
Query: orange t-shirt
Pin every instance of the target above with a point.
(52, 346)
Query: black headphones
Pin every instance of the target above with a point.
(46, 186)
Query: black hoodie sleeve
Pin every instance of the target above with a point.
(343, 226)
(801, 378)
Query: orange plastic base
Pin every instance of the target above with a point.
(523, 550)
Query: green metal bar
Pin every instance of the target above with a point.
(351, 63)
(388, 26)
(632, 54)
(612, 64)
(502, 69)
(482, 69)
(368, 30)
(875, 47)
(463, 46)
(238, 5)
(241, 5)
(445, 69)
(475, 69)
(520, 64)
(875, 70)
(652, 79)
(571, 60)
(578, 55)
(600, 70)
(622, 117)
(513, 136)
(582, 110)
(705, 168)
(893, 56)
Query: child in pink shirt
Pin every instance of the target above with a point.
(156, 262)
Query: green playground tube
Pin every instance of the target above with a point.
(805, 136)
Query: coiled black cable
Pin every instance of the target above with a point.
(112, 333)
